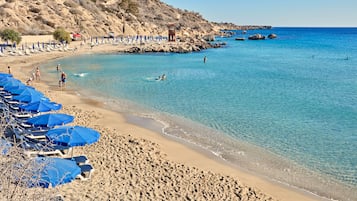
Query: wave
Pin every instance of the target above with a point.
(80, 74)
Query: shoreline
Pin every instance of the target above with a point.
(169, 147)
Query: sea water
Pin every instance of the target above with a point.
(285, 108)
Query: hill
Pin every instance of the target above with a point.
(99, 17)
(33, 17)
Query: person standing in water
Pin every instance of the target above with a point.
(58, 70)
(62, 81)
(204, 59)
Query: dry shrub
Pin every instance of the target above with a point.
(50, 24)
(2, 11)
(70, 3)
(35, 10)
(8, 6)
(89, 5)
(75, 12)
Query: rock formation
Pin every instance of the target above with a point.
(256, 37)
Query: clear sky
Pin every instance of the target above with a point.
(302, 13)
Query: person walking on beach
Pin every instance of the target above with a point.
(58, 70)
(204, 59)
(62, 82)
(38, 74)
(9, 69)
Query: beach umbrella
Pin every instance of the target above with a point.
(10, 88)
(41, 106)
(29, 95)
(73, 136)
(50, 120)
(4, 75)
(29, 98)
(50, 172)
(30, 90)
(16, 90)
(9, 82)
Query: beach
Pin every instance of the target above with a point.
(135, 163)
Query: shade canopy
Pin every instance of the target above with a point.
(9, 81)
(16, 90)
(52, 172)
(5, 75)
(41, 106)
(50, 120)
(73, 135)
(10, 88)
(29, 95)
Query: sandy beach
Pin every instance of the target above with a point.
(135, 163)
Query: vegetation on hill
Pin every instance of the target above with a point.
(10, 35)
(61, 35)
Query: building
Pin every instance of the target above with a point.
(172, 32)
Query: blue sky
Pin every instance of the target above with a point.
(312, 13)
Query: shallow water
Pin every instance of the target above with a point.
(284, 108)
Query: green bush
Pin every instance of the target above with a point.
(61, 35)
(10, 35)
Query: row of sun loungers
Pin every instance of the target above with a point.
(38, 48)
(32, 139)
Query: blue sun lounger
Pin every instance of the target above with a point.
(80, 160)
(86, 172)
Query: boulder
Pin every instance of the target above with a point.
(209, 38)
(256, 37)
(272, 36)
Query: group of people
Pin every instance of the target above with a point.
(35, 76)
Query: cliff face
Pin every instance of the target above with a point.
(99, 17)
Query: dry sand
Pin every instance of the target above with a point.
(134, 163)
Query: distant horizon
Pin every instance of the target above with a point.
(276, 13)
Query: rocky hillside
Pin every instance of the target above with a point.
(99, 17)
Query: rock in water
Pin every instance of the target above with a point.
(272, 36)
(256, 37)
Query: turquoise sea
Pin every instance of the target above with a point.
(285, 109)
